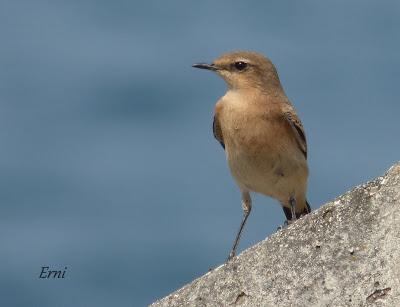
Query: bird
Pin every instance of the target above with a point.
(262, 136)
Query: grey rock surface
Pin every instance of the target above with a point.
(347, 253)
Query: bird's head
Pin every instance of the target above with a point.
(245, 69)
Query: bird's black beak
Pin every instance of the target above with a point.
(205, 66)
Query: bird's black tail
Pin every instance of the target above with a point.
(308, 207)
(288, 212)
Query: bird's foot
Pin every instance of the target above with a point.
(231, 256)
(285, 224)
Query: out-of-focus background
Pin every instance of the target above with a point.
(107, 161)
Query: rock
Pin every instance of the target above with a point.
(347, 253)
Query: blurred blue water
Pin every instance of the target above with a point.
(107, 160)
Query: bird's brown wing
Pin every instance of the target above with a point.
(298, 130)
(218, 132)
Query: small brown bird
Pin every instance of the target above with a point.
(263, 138)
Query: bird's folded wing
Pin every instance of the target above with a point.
(298, 130)
(218, 132)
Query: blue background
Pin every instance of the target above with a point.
(107, 161)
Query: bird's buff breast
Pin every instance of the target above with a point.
(257, 147)
(252, 156)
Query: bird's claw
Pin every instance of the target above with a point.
(231, 256)
(285, 224)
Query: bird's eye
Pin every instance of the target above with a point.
(240, 65)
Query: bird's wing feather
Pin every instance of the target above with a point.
(298, 130)
(218, 132)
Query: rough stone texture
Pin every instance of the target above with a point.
(347, 253)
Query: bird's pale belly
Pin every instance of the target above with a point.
(267, 173)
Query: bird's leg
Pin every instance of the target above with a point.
(292, 202)
(246, 204)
